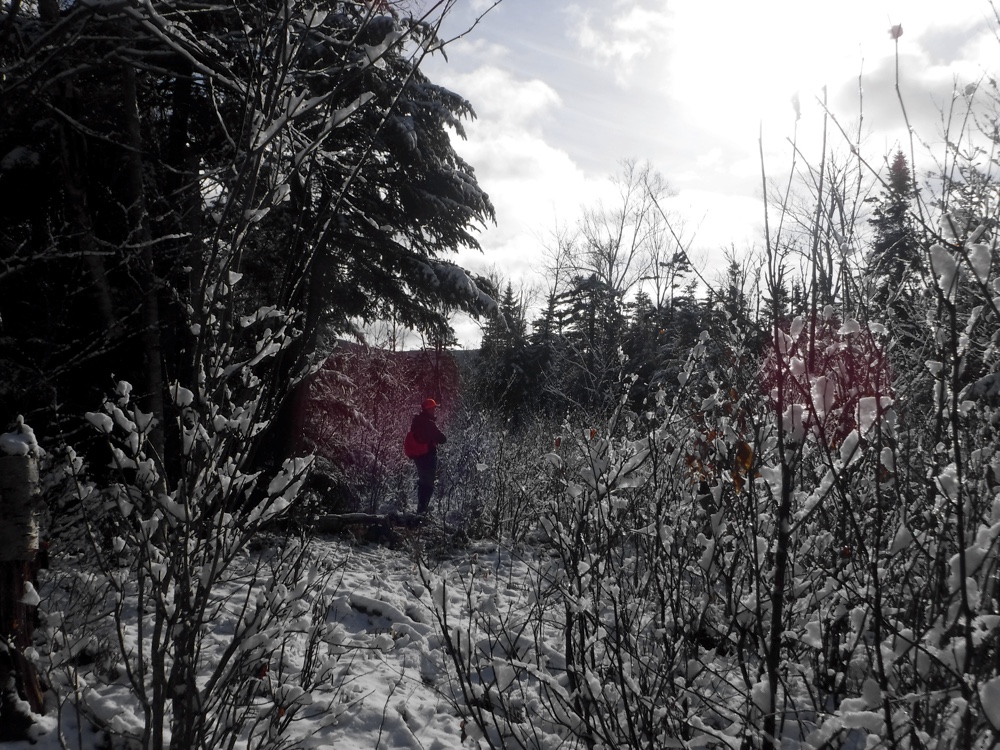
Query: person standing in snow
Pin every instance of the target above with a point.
(425, 430)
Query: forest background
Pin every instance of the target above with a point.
(762, 510)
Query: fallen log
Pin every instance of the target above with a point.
(331, 524)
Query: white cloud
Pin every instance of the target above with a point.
(621, 37)
(565, 90)
(501, 101)
(534, 184)
(710, 218)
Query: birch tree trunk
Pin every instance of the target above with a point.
(19, 499)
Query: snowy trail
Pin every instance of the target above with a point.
(408, 703)
(390, 689)
(400, 706)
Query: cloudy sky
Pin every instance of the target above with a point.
(567, 89)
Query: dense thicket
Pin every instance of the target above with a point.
(795, 541)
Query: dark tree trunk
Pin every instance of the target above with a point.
(141, 236)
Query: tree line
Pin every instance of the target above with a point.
(624, 304)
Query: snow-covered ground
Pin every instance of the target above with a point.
(388, 687)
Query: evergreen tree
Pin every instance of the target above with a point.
(641, 343)
(305, 162)
(594, 322)
(895, 260)
(512, 369)
(549, 325)
(680, 324)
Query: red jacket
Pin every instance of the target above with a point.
(425, 430)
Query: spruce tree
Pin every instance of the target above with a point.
(895, 259)
(512, 370)
(306, 160)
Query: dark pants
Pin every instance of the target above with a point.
(426, 471)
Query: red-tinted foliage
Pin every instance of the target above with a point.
(359, 405)
(823, 373)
